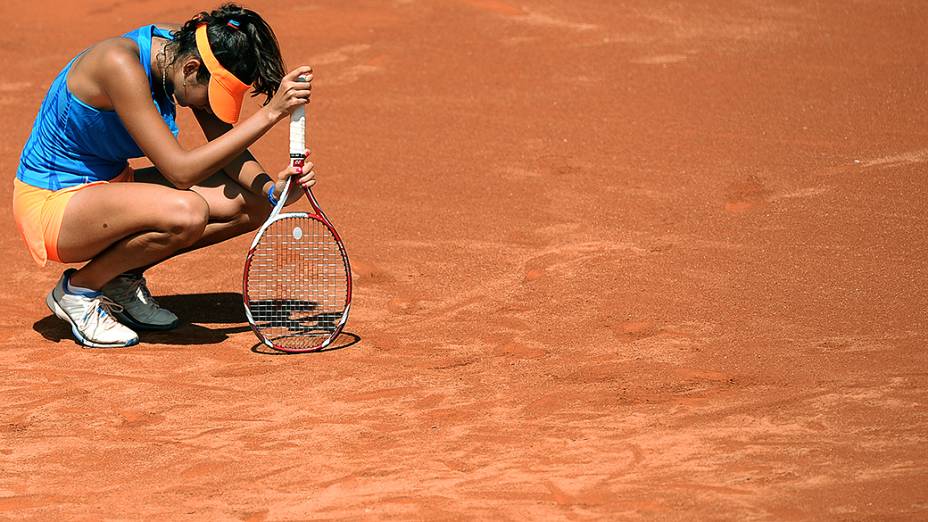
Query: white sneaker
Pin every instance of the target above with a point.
(138, 308)
(92, 322)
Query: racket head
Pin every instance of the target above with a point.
(297, 283)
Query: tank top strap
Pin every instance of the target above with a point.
(161, 33)
(143, 37)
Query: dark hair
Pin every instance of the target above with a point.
(249, 51)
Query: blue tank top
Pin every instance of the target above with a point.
(73, 143)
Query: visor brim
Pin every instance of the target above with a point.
(226, 105)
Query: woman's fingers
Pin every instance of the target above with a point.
(303, 70)
(293, 92)
(297, 86)
(308, 175)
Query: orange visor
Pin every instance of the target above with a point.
(225, 90)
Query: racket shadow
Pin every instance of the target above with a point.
(194, 310)
(211, 308)
(344, 340)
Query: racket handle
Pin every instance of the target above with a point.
(298, 134)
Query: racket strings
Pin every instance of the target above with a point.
(297, 283)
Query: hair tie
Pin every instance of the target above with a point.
(233, 24)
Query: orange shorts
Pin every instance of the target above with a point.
(38, 213)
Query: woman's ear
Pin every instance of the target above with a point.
(191, 66)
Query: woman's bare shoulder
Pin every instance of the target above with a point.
(104, 53)
(106, 59)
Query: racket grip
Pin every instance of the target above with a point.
(298, 134)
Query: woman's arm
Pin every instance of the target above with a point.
(245, 169)
(126, 85)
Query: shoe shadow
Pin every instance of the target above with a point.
(222, 308)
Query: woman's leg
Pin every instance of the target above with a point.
(117, 227)
(128, 227)
(121, 226)
(233, 211)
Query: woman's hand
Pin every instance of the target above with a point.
(306, 179)
(293, 92)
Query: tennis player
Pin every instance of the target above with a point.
(76, 200)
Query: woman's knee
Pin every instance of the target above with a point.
(186, 216)
(255, 211)
(247, 212)
(244, 210)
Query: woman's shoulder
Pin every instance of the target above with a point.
(123, 49)
(113, 50)
(104, 61)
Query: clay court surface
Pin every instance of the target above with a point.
(613, 260)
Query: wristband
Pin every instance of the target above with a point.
(270, 196)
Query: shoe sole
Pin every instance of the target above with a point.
(60, 313)
(129, 321)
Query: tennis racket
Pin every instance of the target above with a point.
(297, 281)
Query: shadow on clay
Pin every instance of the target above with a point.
(345, 340)
(213, 309)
